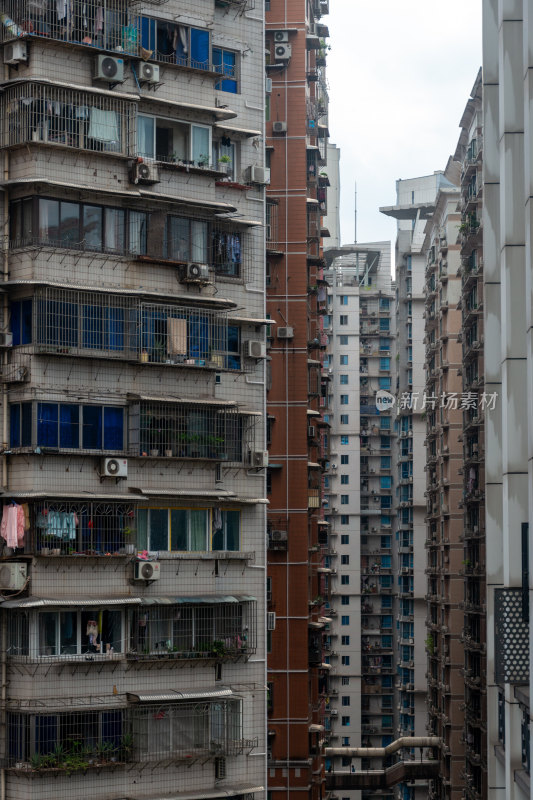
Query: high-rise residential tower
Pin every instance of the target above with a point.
(133, 400)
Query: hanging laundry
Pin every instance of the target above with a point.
(12, 525)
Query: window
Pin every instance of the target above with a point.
(385, 482)
(344, 419)
(345, 743)
(345, 519)
(344, 499)
(69, 426)
(345, 700)
(345, 661)
(345, 480)
(344, 399)
(343, 299)
(175, 529)
(176, 44)
(345, 721)
(345, 599)
(384, 303)
(173, 141)
(344, 380)
(345, 459)
(345, 580)
(77, 632)
(384, 324)
(384, 423)
(345, 620)
(21, 321)
(345, 640)
(343, 361)
(345, 539)
(345, 440)
(385, 462)
(345, 559)
(384, 344)
(343, 340)
(345, 680)
(225, 62)
(384, 363)
(384, 383)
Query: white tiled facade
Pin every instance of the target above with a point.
(114, 685)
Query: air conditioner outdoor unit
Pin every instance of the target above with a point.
(271, 620)
(114, 468)
(147, 571)
(253, 348)
(259, 175)
(147, 72)
(285, 333)
(144, 172)
(278, 536)
(109, 69)
(6, 339)
(283, 52)
(279, 127)
(13, 575)
(259, 458)
(196, 272)
(15, 53)
(281, 36)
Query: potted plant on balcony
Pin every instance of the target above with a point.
(224, 164)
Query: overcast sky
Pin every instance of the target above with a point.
(400, 74)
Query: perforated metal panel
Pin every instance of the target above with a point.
(511, 637)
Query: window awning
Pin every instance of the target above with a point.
(190, 401)
(312, 413)
(174, 695)
(325, 666)
(325, 620)
(325, 570)
(251, 320)
(125, 600)
(200, 494)
(81, 496)
(134, 194)
(247, 132)
(217, 111)
(229, 791)
(315, 625)
(313, 465)
(316, 728)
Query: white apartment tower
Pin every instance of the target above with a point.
(507, 277)
(359, 499)
(132, 570)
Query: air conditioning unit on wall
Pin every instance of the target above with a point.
(109, 69)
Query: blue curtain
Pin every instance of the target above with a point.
(148, 33)
(92, 428)
(234, 353)
(113, 428)
(225, 62)
(69, 426)
(198, 330)
(47, 432)
(45, 734)
(115, 328)
(199, 49)
(92, 327)
(14, 425)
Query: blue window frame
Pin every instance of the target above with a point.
(345, 619)
(343, 360)
(344, 399)
(175, 44)
(20, 424)
(58, 426)
(384, 303)
(343, 299)
(385, 462)
(345, 440)
(384, 363)
(384, 343)
(384, 324)
(385, 481)
(225, 62)
(384, 383)
(344, 380)
(345, 661)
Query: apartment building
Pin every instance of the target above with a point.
(470, 154)
(299, 579)
(415, 204)
(359, 502)
(506, 230)
(133, 386)
(444, 484)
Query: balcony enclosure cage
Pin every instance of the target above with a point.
(127, 328)
(106, 529)
(34, 112)
(160, 731)
(158, 630)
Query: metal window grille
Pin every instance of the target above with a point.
(272, 233)
(175, 731)
(115, 29)
(231, 255)
(68, 741)
(95, 528)
(185, 431)
(193, 632)
(511, 663)
(112, 326)
(34, 112)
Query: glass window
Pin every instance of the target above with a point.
(384, 383)
(343, 360)
(344, 380)
(345, 620)
(69, 223)
(200, 144)
(177, 529)
(345, 479)
(345, 439)
(345, 641)
(343, 340)
(115, 230)
(226, 530)
(21, 321)
(345, 559)
(343, 319)
(343, 299)
(344, 399)
(92, 228)
(345, 580)
(345, 661)
(345, 459)
(145, 136)
(345, 600)
(345, 721)
(225, 62)
(344, 419)
(20, 425)
(344, 499)
(138, 232)
(48, 220)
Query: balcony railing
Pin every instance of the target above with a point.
(512, 634)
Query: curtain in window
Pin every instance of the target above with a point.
(178, 242)
(198, 337)
(199, 50)
(104, 126)
(69, 426)
(200, 143)
(145, 136)
(114, 230)
(48, 220)
(199, 239)
(47, 417)
(92, 228)
(92, 427)
(137, 242)
(198, 529)
(113, 428)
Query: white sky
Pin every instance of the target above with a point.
(400, 73)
